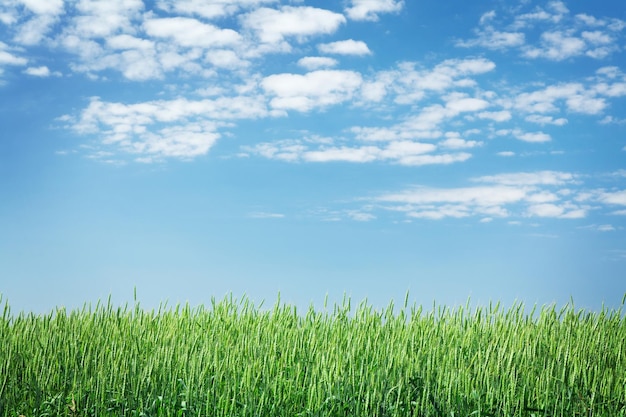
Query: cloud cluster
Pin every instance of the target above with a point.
(144, 41)
(523, 194)
(447, 93)
(227, 61)
(561, 35)
(314, 150)
(418, 114)
(515, 197)
(154, 130)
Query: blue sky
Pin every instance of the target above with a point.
(194, 148)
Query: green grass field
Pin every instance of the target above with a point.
(232, 359)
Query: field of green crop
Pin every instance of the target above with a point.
(232, 359)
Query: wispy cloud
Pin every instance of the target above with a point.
(399, 152)
(265, 215)
(600, 227)
(213, 10)
(518, 198)
(522, 195)
(8, 56)
(562, 36)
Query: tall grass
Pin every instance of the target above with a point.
(233, 359)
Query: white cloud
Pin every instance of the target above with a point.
(43, 15)
(483, 196)
(457, 104)
(438, 159)
(273, 26)
(225, 58)
(542, 197)
(496, 116)
(546, 120)
(565, 211)
(557, 46)
(135, 58)
(8, 58)
(122, 42)
(527, 19)
(522, 194)
(369, 9)
(493, 39)
(558, 7)
(52, 7)
(35, 29)
(535, 137)
(103, 18)
(180, 141)
(506, 153)
(311, 90)
(347, 47)
(317, 62)
(266, 215)
(42, 71)
(285, 150)
(8, 17)
(488, 16)
(458, 143)
(531, 137)
(597, 37)
(116, 35)
(424, 123)
(360, 216)
(467, 66)
(374, 91)
(604, 228)
(616, 198)
(105, 34)
(401, 152)
(590, 20)
(555, 13)
(160, 129)
(529, 178)
(575, 96)
(617, 89)
(421, 126)
(189, 32)
(209, 10)
(142, 44)
(562, 36)
(342, 154)
(411, 84)
(439, 213)
(584, 103)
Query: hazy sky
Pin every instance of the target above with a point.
(192, 148)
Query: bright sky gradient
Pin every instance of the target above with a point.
(192, 148)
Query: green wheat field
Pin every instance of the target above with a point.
(232, 358)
